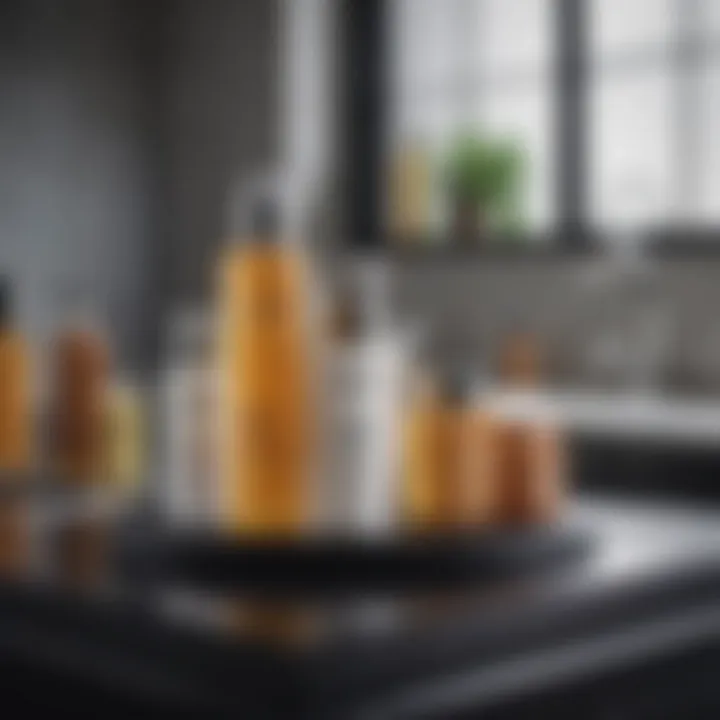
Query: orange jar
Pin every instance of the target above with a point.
(482, 500)
(531, 471)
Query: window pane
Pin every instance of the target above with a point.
(426, 127)
(624, 25)
(426, 121)
(513, 35)
(710, 18)
(709, 81)
(630, 154)
(525, 117)
(424, 43)
(454, 64)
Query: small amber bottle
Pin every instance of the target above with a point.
(15, 400)
(266, 376)
(450, 465)
(79, 393)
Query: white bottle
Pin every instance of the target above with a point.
(364, 376)
(190, 487)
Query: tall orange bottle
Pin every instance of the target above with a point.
(15, 401)
(266, 372)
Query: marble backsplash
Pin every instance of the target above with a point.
(655, 323)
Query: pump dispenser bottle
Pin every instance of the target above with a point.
(266, 371)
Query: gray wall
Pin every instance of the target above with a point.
(122, 122)
(221, 123)
(74, 173)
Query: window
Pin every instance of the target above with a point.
(461, 65)
(630, 158)
(638, 166)
(653, 156)
(649, 95)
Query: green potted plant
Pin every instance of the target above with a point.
(484, 177)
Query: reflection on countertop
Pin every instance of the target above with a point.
(650, 585)
(631, 542)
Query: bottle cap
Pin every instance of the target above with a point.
(458, 387)
(261, 210)
(361, 304)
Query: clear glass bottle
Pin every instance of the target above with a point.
(451, 463)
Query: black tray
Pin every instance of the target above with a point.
(349, 565)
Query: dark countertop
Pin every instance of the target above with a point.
(650, 586)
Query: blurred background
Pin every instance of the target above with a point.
(513, 203)
(535, 170)
(124, 125)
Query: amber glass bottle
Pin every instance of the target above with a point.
(80, 369)
(453, 441)
(450, 463)
(265, 377)
(421, 458)
(15, 402)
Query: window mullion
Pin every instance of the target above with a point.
(467, 31)
(571, 116)
(686, 108)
